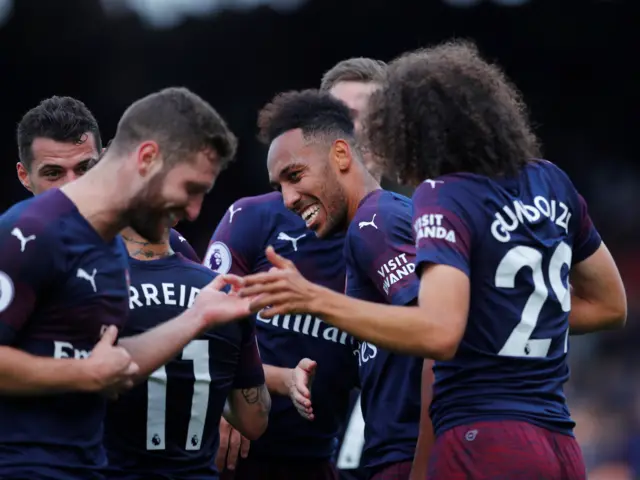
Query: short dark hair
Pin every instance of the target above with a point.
(358, 69)
(316, 113)
(445, 110)
(63, 119)
(180, 122)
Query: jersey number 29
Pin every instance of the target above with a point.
(198, 352)
(520, 343)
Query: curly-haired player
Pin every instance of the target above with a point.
(498, 234)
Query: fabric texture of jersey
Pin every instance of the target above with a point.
(61, 284)
(167, 427)
(238, 246)
(380, 253)
(516, 239)
(180, 245)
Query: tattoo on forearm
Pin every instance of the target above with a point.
(250, 395)
(260, 396)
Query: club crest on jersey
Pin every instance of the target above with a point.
(218, 258)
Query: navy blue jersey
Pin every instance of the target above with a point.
(167, 427)
(380, 253)
(238, 246)
(516, 239)
(180, 245)
(61, 284)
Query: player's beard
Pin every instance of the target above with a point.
(334, 201)
(146, 213)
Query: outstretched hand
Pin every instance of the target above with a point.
(300, 388)
(282, 288)
(216, 307)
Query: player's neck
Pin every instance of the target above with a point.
(99, 198)
(142, 249)
(364, 185)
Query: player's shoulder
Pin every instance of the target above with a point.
(549, 173)
(266, 202)
(176, 236)
(37, 221)
(379, 211)
(196, 268)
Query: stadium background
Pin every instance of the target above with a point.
(575, 61)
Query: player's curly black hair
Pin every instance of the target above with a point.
(444, 110)
(315, 112)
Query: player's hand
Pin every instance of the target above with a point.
(232, 444)
(300, 387)
(215, 307)
(282, 288)
(110, 368)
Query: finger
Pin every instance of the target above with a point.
(260, 289)
(234, 449)
(264, 277)
(132, 369)
(109, 336)
(298, 398)
(307, 365)
(301, 387)
(305, 413)
(278, 260)
(221, 456)
(278, 303)
(244, 447)
(235, 281)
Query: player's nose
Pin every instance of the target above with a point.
(291, 197)
(193, 209)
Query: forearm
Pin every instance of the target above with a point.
(588, 317)
(400, 329)
(277, 379)
(25, 374)
(158, 346)
(247, 410)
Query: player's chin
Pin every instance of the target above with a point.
(319, 229)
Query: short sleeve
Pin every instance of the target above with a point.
(384, 254)
(27, 270)
(233, 247)
(442, 234)
(250, 372)
(180, 245)
(587, 239)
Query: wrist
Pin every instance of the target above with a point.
(83, 376)
(319, 298)
(194, 322)
(287, 380)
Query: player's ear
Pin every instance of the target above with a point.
(341, 154)
(149, 157)
(23, 176)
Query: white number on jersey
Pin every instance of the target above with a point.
(198, 352)
(520, 343)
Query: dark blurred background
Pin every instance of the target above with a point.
(576, 62)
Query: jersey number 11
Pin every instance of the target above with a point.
(198, 352)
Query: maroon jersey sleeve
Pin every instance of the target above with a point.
(27, 268)
(250, 372)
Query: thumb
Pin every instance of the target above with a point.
(308, 365)
(109, 336)
(277, 260)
